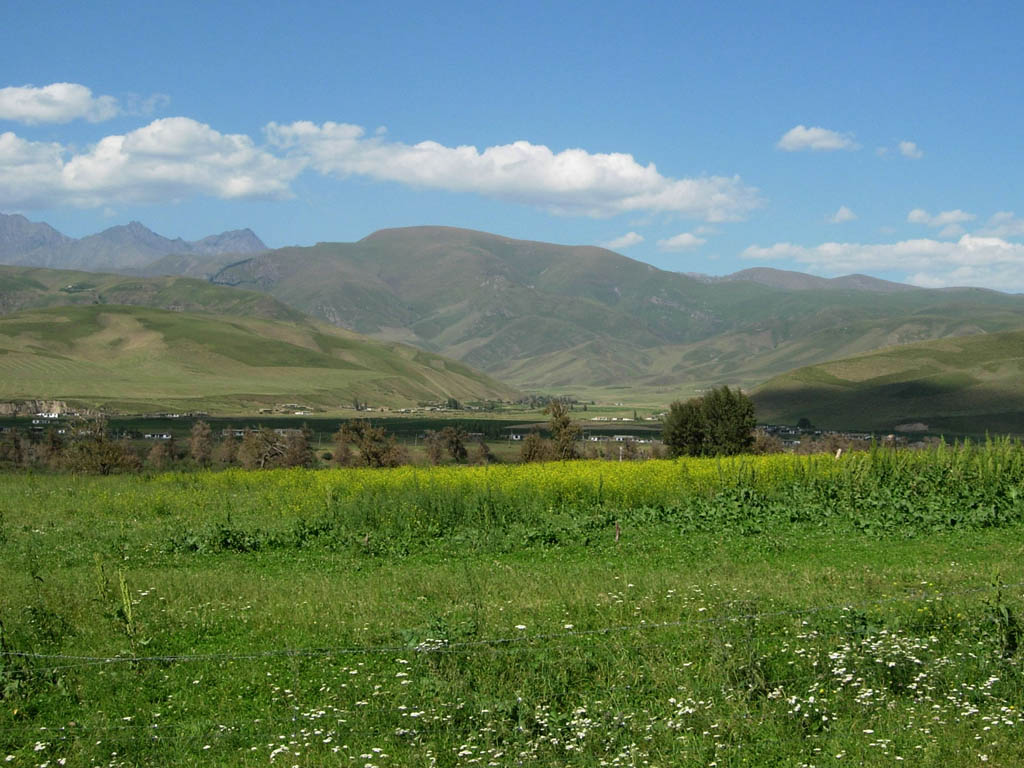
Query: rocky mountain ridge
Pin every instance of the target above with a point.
(126, 247)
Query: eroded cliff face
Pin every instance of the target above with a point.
(32, 407)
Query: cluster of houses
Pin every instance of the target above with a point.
(792, 437)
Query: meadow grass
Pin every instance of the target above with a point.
(776, 611)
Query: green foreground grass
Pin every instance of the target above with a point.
(779, 611)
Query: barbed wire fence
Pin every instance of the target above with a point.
(271, 728)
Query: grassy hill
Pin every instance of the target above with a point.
(140, 359)
(24, 288)
(964, 385)
(587, 320)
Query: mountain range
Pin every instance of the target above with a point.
(588, 320)
(538, 316)
(125, 247)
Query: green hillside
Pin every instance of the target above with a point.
(139, 359)
(965, 385)
(24, 288)
(587, 320)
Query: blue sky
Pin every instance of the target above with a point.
(825, 137)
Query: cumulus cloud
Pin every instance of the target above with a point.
(983, 261)
(1004, 224)
(570, 182)
(55, 103)
(681, 242)
(909, 149)
(948, 222)
(174, 158)
(815, 139)
(167, 160)
(29, 171)
(628, 239)
(844, 214)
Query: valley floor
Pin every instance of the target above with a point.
(779, 611)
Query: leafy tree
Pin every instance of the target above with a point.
(684, 430)
(719, 423)
(730, 421)
(200, 443)
(376, 448)
(565, 433)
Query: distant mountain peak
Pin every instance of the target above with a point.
(19, 235)
(121, 247)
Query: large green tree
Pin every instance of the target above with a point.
(719, 423)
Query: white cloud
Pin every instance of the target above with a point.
(681, 242)
(844, 214)
(29, 171)
(815, 139)
(948, 222)
(175, 158)
(628, 239)
(56, 103)
(984, 261)
(909, 149)
(165, 161)
(1004, 224)
(570, 182)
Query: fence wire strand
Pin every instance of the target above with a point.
(440, 646)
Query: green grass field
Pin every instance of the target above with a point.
(137, 359)
(776, 611)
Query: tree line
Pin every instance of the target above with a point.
(720, 422)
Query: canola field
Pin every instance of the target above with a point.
(780, 610)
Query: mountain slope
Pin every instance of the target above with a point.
(799, 281)
(550, 316)
(129, 246)
(138, 359)
(29, 287)
(966, 385)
